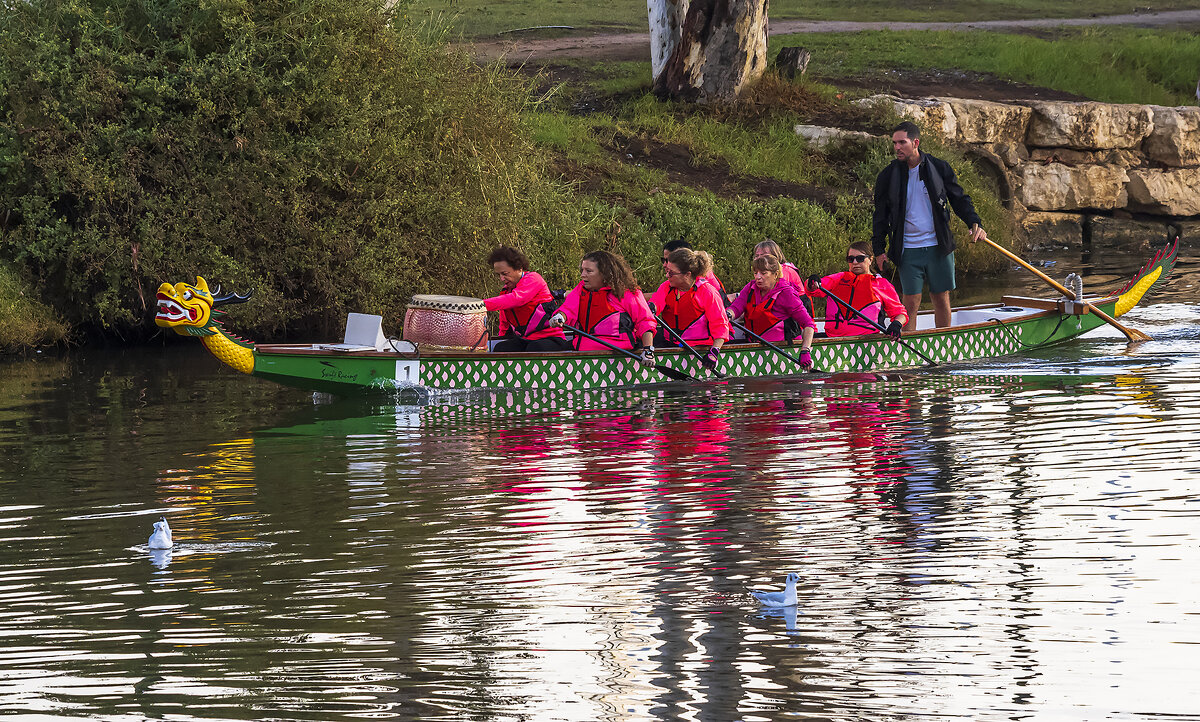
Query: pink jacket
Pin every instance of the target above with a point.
(789, 273)
(525, 308)
(620, 321)
(781, 303)
(840, 322)
(699, 314)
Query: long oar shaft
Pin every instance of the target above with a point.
(664, 370)
(876, 326)
(1130, 333)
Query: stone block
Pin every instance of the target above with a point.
(1070, 156)
(820, 136)
(1012, 154)
(1175, 140)
(1058, 187)
(1127, 234)
(1189, 232)
(1048, 231)
(984, 121)
(930, 114)
(1166, 192)
(1088, 125)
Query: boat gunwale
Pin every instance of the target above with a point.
(311, 349)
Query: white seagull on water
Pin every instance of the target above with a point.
(161, 538)
(786, 598)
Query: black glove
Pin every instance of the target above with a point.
(894, 329)
(710, 358)
(814, 282)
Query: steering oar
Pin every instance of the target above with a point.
(1130, 333)
(876, 326)
(664, 370)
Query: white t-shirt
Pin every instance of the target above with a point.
(918, 213)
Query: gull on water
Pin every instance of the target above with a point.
(161, 538)
(786, 598)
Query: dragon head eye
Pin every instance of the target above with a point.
(187, 295)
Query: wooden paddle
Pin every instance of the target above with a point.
(772, 346)
(699, 357)
(876, 326)
(1130, 333)
(664, 370)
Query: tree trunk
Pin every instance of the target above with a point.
(666, 22)
(722, 49)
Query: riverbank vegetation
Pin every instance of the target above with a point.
(483, 18)
(337, 156)
(25, 322)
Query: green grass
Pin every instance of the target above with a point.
(479, 18)
(773, 151)
(25, 322)
(1115, 65)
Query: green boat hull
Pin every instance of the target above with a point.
(373, 372)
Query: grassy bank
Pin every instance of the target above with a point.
(1114, 65)
(480, 18)
(25, 322)
(330, 181)
(725, 178)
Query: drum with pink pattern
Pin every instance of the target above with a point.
(452, 322)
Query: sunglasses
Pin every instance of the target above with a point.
(856, 259)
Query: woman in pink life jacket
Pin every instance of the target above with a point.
(608, 304)
(671, 246)
(869, 293)
(691, 305)
(525, 305)
(773, 310)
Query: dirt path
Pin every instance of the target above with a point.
(636, 46)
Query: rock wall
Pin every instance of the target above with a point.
(1078, 171)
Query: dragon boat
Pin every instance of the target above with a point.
(1013, 325)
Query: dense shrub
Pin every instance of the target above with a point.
(321, 152)
(24, 321)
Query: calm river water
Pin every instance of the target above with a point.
(1012, 540)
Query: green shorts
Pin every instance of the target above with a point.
(919, 265)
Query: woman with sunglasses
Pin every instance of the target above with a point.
(691, 305)
(870, 294)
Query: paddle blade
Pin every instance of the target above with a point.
(674, 374)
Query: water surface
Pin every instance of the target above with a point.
(1011, 540)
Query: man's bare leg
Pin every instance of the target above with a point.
(941, 308)
(912, 302)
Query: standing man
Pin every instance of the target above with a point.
(911, 223)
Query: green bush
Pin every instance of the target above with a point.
(811, 237)
(24, 321)
(323, 153)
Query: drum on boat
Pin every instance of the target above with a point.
(450, 322)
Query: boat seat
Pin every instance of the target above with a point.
(364, 332)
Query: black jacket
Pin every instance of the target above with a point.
(891, 193)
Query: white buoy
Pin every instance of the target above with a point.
(161, 538)
(786, 598)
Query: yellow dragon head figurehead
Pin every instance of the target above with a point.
(192, 310)
(185, 308)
